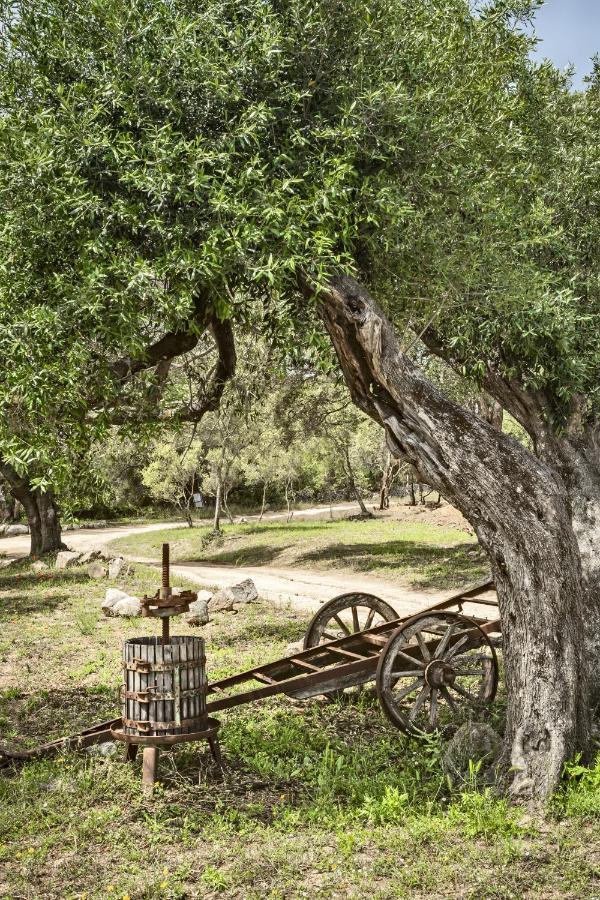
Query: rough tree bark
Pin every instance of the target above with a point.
(572, 450)
(8, 506)
(351, 479)
(218, 501)
(521, 513)
(41, 510)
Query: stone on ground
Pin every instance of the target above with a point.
(15, 530)
(222, 601)
(113, 595)
(116, 567)
(292, 649)
(472, 754)
(39, 566)
(198, 613)
(67, 558)
(129, 606)
(90, 556)
(97, 570)
(244, 592)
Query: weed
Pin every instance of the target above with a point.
(86, 621)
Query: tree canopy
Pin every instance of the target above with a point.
(163, 164)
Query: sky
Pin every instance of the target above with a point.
(570, 33)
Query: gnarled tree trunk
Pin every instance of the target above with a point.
(521, 513)
(40, 508)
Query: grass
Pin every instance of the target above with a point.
(318, 799)
(408, 552)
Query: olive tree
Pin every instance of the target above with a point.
(168, 168)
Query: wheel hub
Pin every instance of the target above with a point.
(439, 673)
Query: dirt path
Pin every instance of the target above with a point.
(301, 588)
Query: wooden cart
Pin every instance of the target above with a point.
(427, 667)
(430, 669)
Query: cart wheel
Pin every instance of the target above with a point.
(434, 670)
(367, 611)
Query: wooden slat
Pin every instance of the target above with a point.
(342, 652)
(260, 676)
(304, 664)
(375, 639)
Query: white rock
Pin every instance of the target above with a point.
(116, 566)
(292, 649)
(113, 595)
(244, 592)
(129, 606)
(106, 748)
(67, 558)
(14, 530)
(198, 613)
(39, 566)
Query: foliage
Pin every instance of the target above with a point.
(171, 476)
(160, 156)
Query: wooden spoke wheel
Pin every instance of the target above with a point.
(434, 671)
(345, 615)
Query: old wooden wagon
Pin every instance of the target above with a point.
(431, 669)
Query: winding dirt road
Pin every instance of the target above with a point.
(300, 588)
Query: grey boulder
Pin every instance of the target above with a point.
(198, 613)
(116, 567)
(129, 606)
(244, 592)
(113, 595)
(15, 530)
(97, 570)
(222, 601)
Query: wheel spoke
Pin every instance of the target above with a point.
(406, 673)
(407, 690)
(479, 672)
(423, 646)
(419, 703)
(329, 636)
(454, 650)
(444, 641)
(451, 703)
(411, 659)
(355, 621)
(369, 620)
(433, 707)
(462, 692)
(342, 625)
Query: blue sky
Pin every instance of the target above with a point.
(570, 33)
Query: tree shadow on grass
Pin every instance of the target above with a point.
(257, 555)
(258, 632)
(29, 719)
(23, 594)
(437, 566)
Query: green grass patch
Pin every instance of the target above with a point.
(409, 552)
(319, 799)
